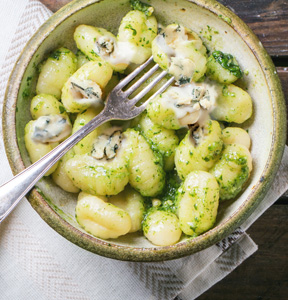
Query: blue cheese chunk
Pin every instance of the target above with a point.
(191, 103)
(50, 129)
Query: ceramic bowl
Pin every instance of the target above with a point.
(220, 29)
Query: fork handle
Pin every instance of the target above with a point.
(14, 190)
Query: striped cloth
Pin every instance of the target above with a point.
(37, 263)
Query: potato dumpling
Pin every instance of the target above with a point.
(232, 170)
(161, 228)
(84, 88)
(99, 44)
(60, 176)
(55, 71)
(200, 149)
(181, 106)
(82, 59)
(223, 67)
(133, 203)
(44, 105)
(181, 52)
(139, 30)
(162, 139)
(132, 45)
(105, 170)
(86, 144)
(197, 203)
(119, 169)
(236, 135)
(101, 219)
(233, 104)
(146, 174)
(161, 114)
(36, 149)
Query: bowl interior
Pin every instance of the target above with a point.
(217, 33)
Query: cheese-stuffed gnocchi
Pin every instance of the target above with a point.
(132, 44)
(181, 106)
(36, 149)
(86, 144)
(139, 30)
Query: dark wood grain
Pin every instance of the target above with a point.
(265, 274)
(268, 19)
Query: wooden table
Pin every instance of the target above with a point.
(265, 274)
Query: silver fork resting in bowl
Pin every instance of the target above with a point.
(118, 107)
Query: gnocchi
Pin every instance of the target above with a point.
(86, 144)
(84, 88)
(162, 228)
(55, 71)
(60, 176)
(180, 51)
(236, 135)
(101, 218)
(200, 149)
(223, 67)
(180, 106)
(198, 200)
(146, 174)
(105, 170)
(163, 140)
(37, 150)
(232, 170)
(232, 105)
(132, 44)
(133, 203)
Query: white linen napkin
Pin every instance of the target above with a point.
(38, 263)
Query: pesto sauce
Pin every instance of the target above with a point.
(57, 54)
(141, 6)
(227, 62)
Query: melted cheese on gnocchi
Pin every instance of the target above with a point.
(52, 128)
(191, 103)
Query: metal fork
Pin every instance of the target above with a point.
(118, 107)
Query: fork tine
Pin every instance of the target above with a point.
(141, 94)
(162, 89)
(132, 75)
(138, 83)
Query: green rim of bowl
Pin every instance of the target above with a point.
(156, 253)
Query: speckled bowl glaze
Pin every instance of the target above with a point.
(220, 29)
